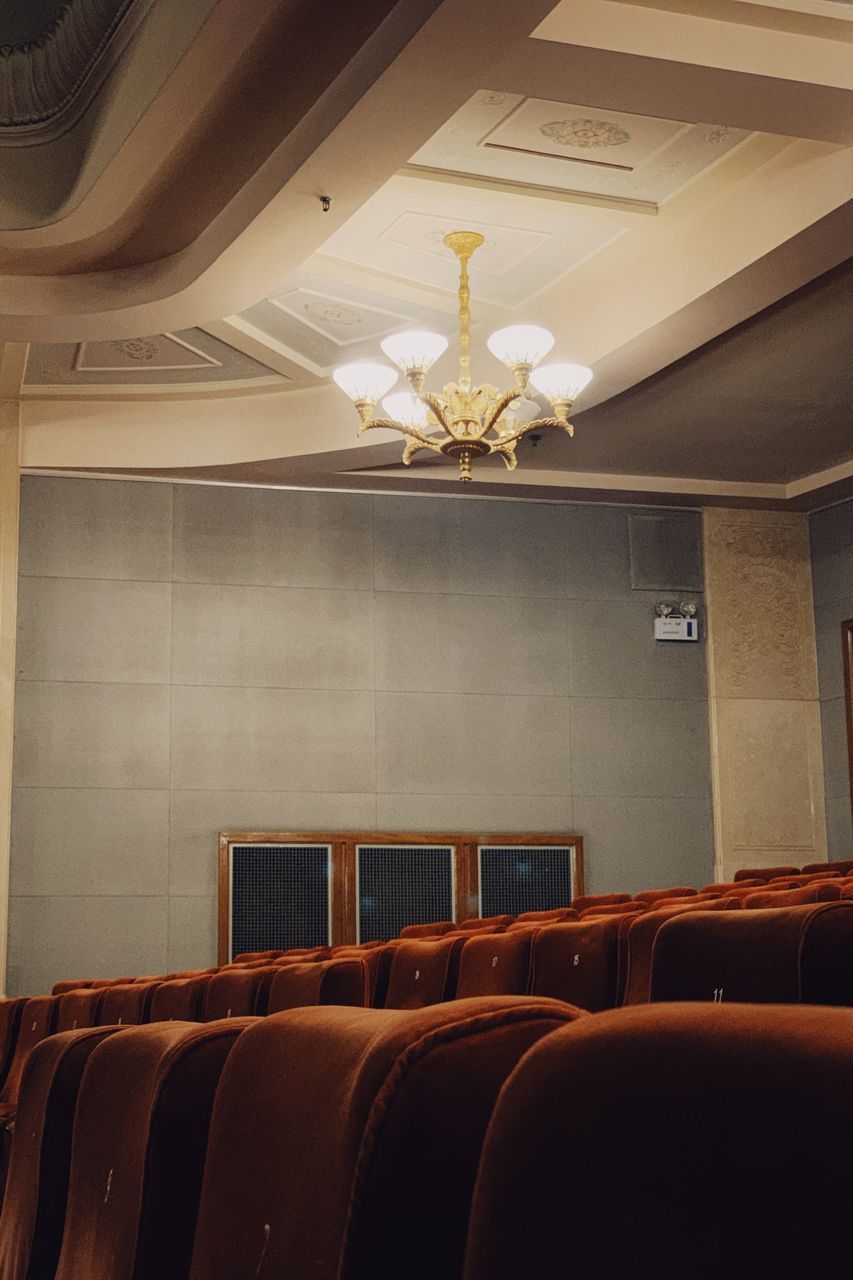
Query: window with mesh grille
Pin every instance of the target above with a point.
(279, 896)
(400, 885)
(517, 878)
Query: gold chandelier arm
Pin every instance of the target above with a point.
(514, 436)
(438, 407)
(507, 452)
(500, 408)
(414, 433)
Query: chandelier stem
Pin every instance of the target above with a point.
(463, 244)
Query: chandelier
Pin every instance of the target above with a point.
(463, 422)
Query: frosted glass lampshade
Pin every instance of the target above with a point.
(365, 380)
(417, 349)
(561, 382)
(406, 408)
(521, 344)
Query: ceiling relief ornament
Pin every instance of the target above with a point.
(585, 133)
(48, 80)
(136, 348)
(336, 313)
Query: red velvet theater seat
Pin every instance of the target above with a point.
(37, 1187)
(546, 917)
(340, 982)
(725, 886)
(138, 1152)
(585, 900)
(79, 1008)
(843, 868)
(578, 962)
(127, 1005)
(69, 984)
(36, 1022)
(232, 993)
(428, 930)
(764, 873)
(476, 923)
(566, 1187)
(628, 908)
(10, 1021)
(641, 938)
(424, 972)
(178, 1000)
(658, 895)
(781, 955)
(378, 961)
(823, 891)
(495, 965)
(362, 1166)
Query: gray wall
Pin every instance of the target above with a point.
(831, 533)
(194, 658)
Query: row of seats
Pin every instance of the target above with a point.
(484, 1139)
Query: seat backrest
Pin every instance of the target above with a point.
(769, 956)
(378, 961)
(764, 873)
(127, 1005)
(428, 930)
(799, 881)
(614, 909)
(69, 984)
(178, 1000)
(10, 1021)
(79, 1008)
(659, 895)
(495, 965)
(383, 1191)
(823, 891)
(231, 993)
(547, 917)
(578, 962)
(726, 886)
(641, 937)
(476, 923)
(36, 1022)
(37, 1184)
(138, 1152)
(584, 900)
(843, 868)
(339, 982)
(424, 972)
(559, 1154)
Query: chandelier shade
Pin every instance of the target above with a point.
(464, 422)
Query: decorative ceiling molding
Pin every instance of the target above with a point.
(48, 82)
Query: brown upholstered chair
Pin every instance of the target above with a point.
(781, 955)
(10, 1021)
(691, 899)
(35, 1022)
(69, 984)
(127, 1005)
(565, 1184)
(37, 1187)
(340, 981)
(178, 1000)
(764, 873)
(476, 923)
(363, 1165)
(800, 881)
(138, 1153)
(79, 1008)
(726, 886)
(659, 895)
(843, 868)
(232, 993)
(428, 930)
(822, 891)
(547, 917)
(641, 941)
(423, 972)
(378, 961)
(578, 961)
(495, 965)
(628, 908)
(585, 900)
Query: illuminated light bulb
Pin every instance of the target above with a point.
(406, 408)
(417, 350)
(521, 345)
(561, 383)
(365, 382)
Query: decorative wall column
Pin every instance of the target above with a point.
(9, 509)
(766, 754)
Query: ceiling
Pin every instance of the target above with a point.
(669, 188)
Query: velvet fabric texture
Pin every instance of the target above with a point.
(780, 955)
(68, 984)
(725, 886)
(578, 962)
(178, 1000)
(567, 1188)
(614, 909)
(10, 1021)
(360, 1166)
(428, 930)
(585, 900)
(127, 1005)
(37, 1187)
(378, 961)
(823, 891)
(36, 1022)
(657, 895)
(138, 1153)
(482, 922)
(340, 982)
(641, 937)
(79, 1008)
(495, 965)
(547, 917)
(424, 972)
(764, 873)
(231, 993)
(843, 868)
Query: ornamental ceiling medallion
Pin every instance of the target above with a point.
(585, 133)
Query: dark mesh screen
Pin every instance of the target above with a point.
(279, 897)
(400, 885)
(524, 878)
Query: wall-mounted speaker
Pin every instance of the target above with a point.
(280, 896)
(526, 877)
(400, 884)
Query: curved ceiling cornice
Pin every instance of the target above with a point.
(47, 83)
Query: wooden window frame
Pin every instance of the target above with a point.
(343, 886)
